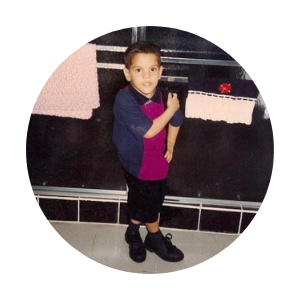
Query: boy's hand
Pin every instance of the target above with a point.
(169, 152)
(169, 156)
(173, 102)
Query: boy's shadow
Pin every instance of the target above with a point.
(7, 109)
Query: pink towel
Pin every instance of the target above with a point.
(72, 89)
(219, 108)
(221, 99)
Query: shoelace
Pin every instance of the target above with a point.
(168, 238)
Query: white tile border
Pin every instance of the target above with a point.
(211, 205)
(199, 218)
(244, 207)
(240, 222)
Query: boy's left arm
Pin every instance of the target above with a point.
(171, 140)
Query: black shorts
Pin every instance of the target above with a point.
(145, 198)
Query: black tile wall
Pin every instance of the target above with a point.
(177, 217)
(116, 38)
(20, 218)
(123, 217)
(101, 212)
(35, 218)
(79, 154)
(60, 210)
(219, 221)
(271, 223)
(170, 217)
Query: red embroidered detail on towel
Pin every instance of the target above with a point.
(225, 88)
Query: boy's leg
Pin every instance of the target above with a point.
(144, 201)
(152, 227)
(135, 222)
(137, 251)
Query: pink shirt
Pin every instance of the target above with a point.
(154, 164)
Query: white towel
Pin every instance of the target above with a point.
(72, 89)
(219, 108)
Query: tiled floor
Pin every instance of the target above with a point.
(96, 248)
(105, 246)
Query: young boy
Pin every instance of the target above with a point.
(140, 137)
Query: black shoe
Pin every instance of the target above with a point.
(163, 247)
(137, 251)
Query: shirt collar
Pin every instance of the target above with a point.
(142, 99)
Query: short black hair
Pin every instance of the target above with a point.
(141, 47)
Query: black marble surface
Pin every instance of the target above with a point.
(178, 217)
(123, 218)
(65, 152)
(116, 38)
(99, 212)
(174, 39)
(219, 221)
(170, 217)
(58, 210)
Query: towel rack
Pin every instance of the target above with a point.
(167, 60)
(139, 33)
(177, 60)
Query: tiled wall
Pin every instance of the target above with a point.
(194, 217)
(198, 217)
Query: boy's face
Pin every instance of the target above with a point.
(144, 73)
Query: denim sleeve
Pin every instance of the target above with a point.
(177, 119)
(128, 114)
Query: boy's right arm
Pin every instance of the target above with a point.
(160, 122)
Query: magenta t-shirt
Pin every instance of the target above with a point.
(154, 164)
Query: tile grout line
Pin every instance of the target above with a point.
(240, 222)
(199, 217)
(76, 198)
(118, 212)
(93, 246)
(78, 210)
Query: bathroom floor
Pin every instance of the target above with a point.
(96, 248)
(204, 252)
